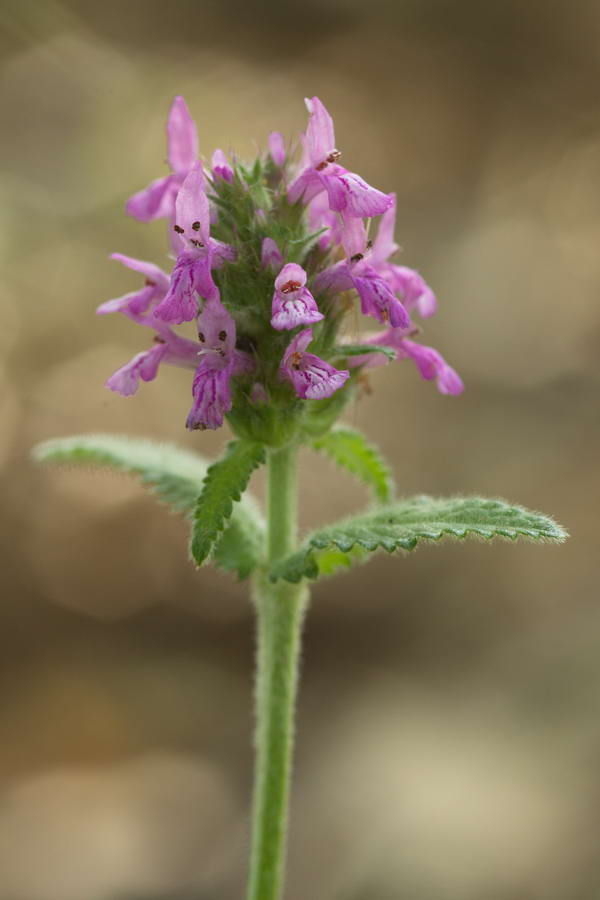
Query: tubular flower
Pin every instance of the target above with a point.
(430, 363)
(293, 304)
(259, 272)
(157, 201)
(311, 377)
(347, 192)
(198, 253)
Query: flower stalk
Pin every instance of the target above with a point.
(280, 612)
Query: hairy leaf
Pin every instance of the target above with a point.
(350, 449)
(225, 482)
(175, 476)
(403, 525)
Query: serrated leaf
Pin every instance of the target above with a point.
(350, 449)
(361, 350)
(225, 482)
(240, 548)
(175, 476)
(403, 525)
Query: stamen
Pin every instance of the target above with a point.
(196, 243)
(357, 257)
(196, 226)
(178, 229)
(222, 335)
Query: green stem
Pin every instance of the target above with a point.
(280, 609)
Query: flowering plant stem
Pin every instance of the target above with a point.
(280, 610)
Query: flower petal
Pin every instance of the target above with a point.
(320, 137)
(182, 137)
(155, 201)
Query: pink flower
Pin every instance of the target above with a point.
(311, 377)
(220, 361)
(212, 398)
(169, 348)
(138, 302)
(198, 253)
(158, 199)
(277, 148)
(346, 191)
(293, 304)
(430, 363)
(221, 167)
(376, 296)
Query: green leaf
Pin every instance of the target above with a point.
(225, 482)
(360, 349)
(241, 546)
(350, 449)
(175, 476)
(403, 525)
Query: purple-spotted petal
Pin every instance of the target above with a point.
(216, 333)
(293, 309)
(379, 301)
(212, 398)
(180, 304)
(182, 138)
(192, 215)
(315, 379)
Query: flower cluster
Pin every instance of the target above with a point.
(265, 261)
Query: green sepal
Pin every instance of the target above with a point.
(403, 525)
(351, 450)
(225, 482)
(175, 476)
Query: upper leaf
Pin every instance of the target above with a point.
(225, 482)
(176, 477)
(350, 449)
(403, 525)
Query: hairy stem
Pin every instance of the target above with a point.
(280, 609)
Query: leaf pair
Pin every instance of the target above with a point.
(234, 534)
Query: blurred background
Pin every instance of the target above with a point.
(449, 743)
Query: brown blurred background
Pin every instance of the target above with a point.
(449, 744)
